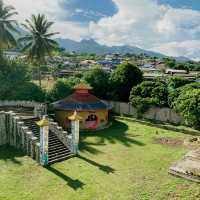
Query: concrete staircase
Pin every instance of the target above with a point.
(57, 150)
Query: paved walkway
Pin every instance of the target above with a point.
(188, 167)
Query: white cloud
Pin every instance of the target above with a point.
(142, 23)
(189, 48)
(149, 25)
(53, 10)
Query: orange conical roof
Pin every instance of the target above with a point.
(80, 100)
(82, 86)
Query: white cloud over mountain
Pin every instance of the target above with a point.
(142, 23)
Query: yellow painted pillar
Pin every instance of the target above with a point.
(44, 140)
(75, 118)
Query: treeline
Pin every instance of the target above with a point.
(187, 65)
(125, 83)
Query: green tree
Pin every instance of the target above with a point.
(7, 26)
(98, 80)
(176, 92)
(188, 104)
(29, 92)
(62, 88)
(170, 63)
(149, 93)
(38, 43)
(15, 82)
(122, 79)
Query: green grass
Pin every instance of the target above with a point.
(120, 163)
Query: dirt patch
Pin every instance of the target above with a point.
(169, 141)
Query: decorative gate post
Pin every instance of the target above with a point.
(44, 140)
(75, 118)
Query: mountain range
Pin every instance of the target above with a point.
(91, 46)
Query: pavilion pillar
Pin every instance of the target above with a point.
(75, 131)
(44, 143)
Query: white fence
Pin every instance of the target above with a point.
(154, 113)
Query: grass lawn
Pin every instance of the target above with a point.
(121, 163)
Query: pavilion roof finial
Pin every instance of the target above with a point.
(82, 86)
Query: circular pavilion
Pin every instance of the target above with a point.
(93, 112)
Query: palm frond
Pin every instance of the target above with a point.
(37, 43)
(7, 26)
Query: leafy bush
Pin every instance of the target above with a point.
(124, 77)
(188, 104)
(30, 92)
(15, 82)
(176, 92)
(149, 93)
(176, 82)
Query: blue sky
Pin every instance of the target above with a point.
(92, 10)
(85, 11)
(171, 27)
(192, 4)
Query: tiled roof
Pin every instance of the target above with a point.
(79, 101)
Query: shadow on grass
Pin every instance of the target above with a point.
(10, 154)
(74, 184)
(117, 133)
(104, 168)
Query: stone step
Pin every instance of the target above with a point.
(57, 149)
(58, 155)
(54, 141)
(52, 161)
(54, 147)
(59, 152)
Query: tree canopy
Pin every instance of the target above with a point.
(99, 81)
(124, 77)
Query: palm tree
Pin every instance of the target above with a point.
(38, 43)
(7, 26)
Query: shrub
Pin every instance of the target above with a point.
(188, 104)
(176, 82)
(149, 93)
(176, 92)
(30, 92)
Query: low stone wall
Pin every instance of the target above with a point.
(14, 133)
(39, 109)
(154, 113)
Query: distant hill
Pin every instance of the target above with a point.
(182, 59)
(91, 46)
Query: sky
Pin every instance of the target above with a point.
(171, 27)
